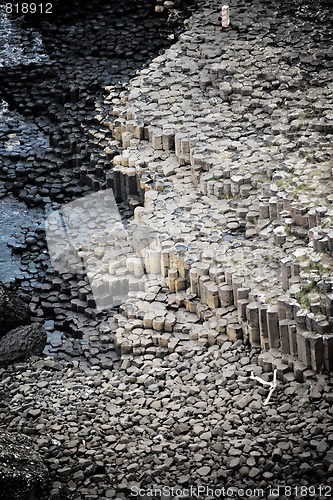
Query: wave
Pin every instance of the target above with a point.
(18, 46)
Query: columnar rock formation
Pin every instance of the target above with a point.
(227, 145)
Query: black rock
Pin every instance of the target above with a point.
(13, 311)
(23, 474)
(22, 342)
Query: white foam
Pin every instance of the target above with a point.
(3, 107)
(15, 48)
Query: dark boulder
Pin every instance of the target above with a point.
(23, 474)
(13, 311)
(22, 342)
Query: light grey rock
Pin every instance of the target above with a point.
(203, 471)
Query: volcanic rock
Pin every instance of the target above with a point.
(23, 474)
(22, 342)
(13, 311)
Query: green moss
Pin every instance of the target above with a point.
(314, 172)
(301, 116)
(302, 296)
(300, 187)
(315, 266)
(228, 196)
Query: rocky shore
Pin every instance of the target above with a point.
(179, 420)
(222, 146)
(53, 144)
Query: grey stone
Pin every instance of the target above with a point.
(322, 446)
(254, 472)
(218, 447)
(235, 463)
(328, 459)
(284, 408)
(243, 401)
(203, 471)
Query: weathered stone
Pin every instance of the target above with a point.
(273, 327)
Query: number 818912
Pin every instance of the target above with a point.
(28, 8)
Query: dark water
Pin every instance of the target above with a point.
(14, 216)
(40, 58)
(18, 46)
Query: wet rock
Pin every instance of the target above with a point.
(22, 342)
(23, 475)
